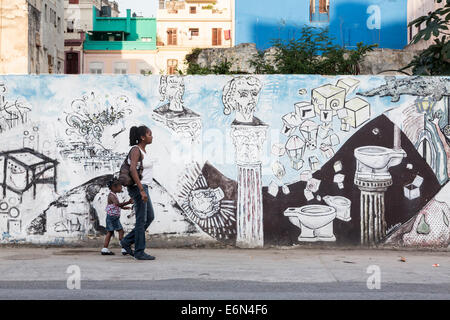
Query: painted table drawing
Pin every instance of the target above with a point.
(279, 160)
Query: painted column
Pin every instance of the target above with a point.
(373, 222)
(248, 141)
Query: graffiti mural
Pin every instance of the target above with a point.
(248, 161)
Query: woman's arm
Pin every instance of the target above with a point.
(135, 155)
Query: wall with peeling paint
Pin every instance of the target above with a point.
(246, 160)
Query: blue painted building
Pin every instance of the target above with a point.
(382, 22)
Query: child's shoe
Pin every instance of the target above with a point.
(125, 252)
(107, 252)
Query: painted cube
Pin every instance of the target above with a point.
(273, 189)
(348, 84)
(305, 110)
(278, 149)
(337, 166)
(412, 190)
(328, 97)
(358, 112)
(297, 165)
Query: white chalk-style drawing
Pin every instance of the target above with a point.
(278, 149)
(305, 110)
(90, 115)
(309, 130)
(373, 179)
(349, 84)
(10, 219)
(173, 114)
(314, 221)
(13, 112)
(328, 97)
(278, 170)
(89, 120)
(358, 112)
(273, 188)
(241, 94)
(412, 190)
(24, 169)
(324, 130)
(206, 206)
(434, 87)
(290, 122)
(342, 206)
(31, 138)
(295, 149)
(313, 185)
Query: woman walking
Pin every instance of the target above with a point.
(140, 137)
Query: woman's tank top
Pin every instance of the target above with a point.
(147, 173)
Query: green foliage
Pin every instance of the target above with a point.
(311, 53)
(435, 60)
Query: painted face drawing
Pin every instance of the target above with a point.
(171, 89)
(241, 94)
(205, 202)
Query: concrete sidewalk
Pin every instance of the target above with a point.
(328, 271)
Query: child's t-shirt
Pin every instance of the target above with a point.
(112, 209)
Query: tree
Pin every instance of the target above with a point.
(435, 60)
(312, 52)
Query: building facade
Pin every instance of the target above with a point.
(382, 22)
(121, 45)
(31, 36)
(417, 9)
(189, 24)
(78, 20)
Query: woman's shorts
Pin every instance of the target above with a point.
(113, 223)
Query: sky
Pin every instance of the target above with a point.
(146, 8)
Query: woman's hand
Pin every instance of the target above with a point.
(144, 196)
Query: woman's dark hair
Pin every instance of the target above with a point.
(136, 133)
(113, 182)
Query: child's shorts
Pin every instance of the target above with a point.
(113, 223)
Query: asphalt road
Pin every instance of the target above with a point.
(229, 274)
(193, 289)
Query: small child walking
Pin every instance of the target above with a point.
(113, 215)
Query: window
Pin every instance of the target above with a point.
(59, 25)
(96, 67)
(193, 32)
(120, 68)
(45, 13)
(162, 4)
(216, 36)
(192, 10)
(172, 66)
(53, 17)
(319, 10)
(171, 37)
(74, 1)
(70, 26)
(50, 62)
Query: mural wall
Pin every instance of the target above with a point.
(244, 160)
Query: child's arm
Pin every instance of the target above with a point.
(126, 208)
(123, 204)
